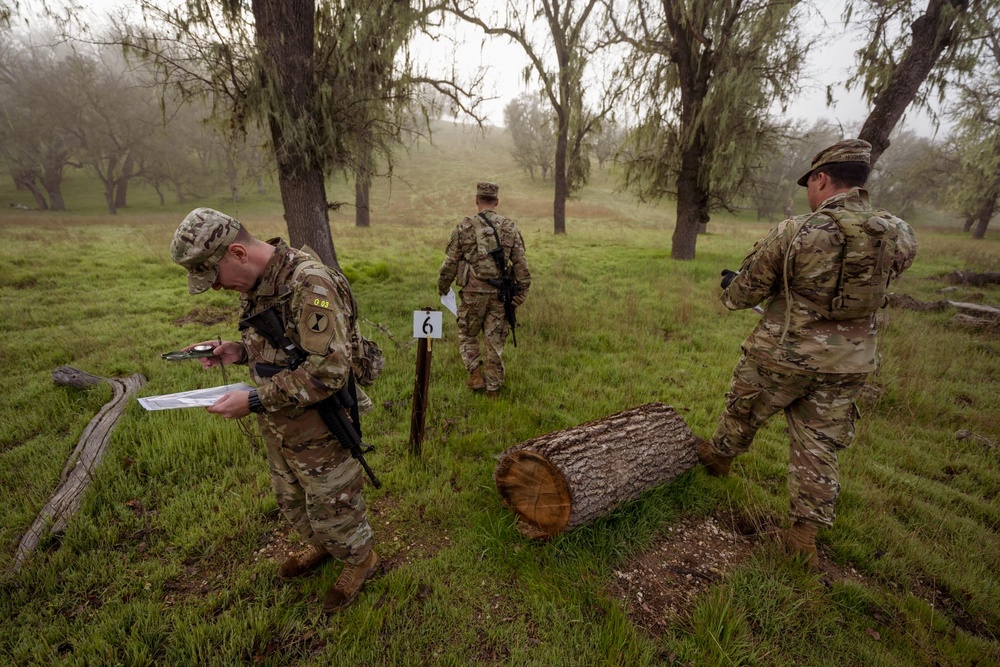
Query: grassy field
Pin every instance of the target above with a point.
(172, 558)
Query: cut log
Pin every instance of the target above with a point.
(567, 478)
(83, 461)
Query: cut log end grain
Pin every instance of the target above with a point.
(536, 490)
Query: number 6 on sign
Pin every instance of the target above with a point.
(427, 324)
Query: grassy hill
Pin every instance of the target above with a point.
(172, 558)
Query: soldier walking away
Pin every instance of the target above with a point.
(485, 258)
(321, 351)
(824, 278)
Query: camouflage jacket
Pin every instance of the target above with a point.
(468, 261)
(794, 335)
(319, 312)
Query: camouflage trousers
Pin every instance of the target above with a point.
(318, 487)
(482, 313)
(820, 411)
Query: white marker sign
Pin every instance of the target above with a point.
(427, 324)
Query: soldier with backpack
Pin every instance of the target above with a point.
(316, 480)
(485, 258)
(824, 279)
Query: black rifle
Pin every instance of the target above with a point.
(507, 287)
(331, 409)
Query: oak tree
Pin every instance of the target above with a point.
(705, 77)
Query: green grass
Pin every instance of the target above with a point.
(162, 563)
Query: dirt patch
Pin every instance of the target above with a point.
(661, 583)
(205, 316)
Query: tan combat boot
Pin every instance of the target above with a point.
(800, 540)
(302, 562)
(476, 381)
(349, 583)
(492, 393)
(715, 464)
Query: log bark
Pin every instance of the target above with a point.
(567, 478)
(85, 459)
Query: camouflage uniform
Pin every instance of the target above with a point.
(469, 264)
(796, 359)
(316, 481)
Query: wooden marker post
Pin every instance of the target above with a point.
(426, 326)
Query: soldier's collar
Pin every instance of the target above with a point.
(268, 284)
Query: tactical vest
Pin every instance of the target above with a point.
(864, 259)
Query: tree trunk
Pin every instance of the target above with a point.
(232, 175)
(51, 179)
(932, 34)
(121, 188)
(969, 221)
(28, 183)
(565, 479)
(692, 205)
(286, 33)
(362, 190)
(981, 225)
(559, 176)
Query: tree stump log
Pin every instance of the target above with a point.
(567, 478)
(85, 458)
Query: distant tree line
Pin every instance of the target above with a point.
(329, 87)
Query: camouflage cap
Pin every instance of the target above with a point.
(848, 150)
(487, 190)
(200, 242)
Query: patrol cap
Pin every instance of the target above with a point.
(199, 244)
(848, 150)
(487, 190)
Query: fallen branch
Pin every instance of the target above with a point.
(974, 309)
(980, 440)
(384, 329)
(86, 457)
(958, 277)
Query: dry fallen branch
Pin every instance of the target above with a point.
(967, 278)
(971, 309)
(980, 440)
(83, 461)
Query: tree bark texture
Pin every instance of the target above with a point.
(84, 460)
(932, 34)
(562, 480)
(559, 177)
(362, 191)
(285, 33)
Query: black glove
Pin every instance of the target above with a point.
(727, 277)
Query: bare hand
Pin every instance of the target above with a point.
(232, 405)
(226, 352)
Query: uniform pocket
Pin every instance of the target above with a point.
(845, 434)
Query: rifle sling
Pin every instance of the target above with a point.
(501, 263)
